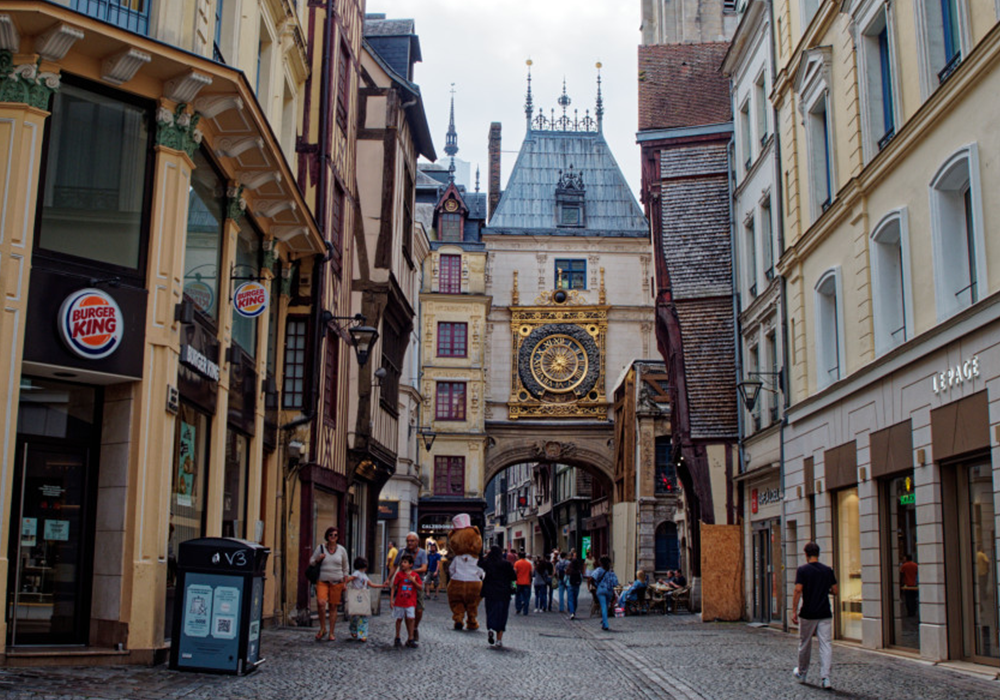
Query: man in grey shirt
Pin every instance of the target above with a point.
(419, 555)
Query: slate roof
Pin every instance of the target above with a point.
(710, 366)
(683, 85)
(528, 204)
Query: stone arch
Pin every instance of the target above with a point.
(589, 447)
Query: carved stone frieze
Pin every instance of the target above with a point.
(178, 130)
(25, 82)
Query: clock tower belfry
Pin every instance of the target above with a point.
(558, 355)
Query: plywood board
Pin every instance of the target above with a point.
(722, 572)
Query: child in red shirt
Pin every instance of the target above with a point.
(403, 598)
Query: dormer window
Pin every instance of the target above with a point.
(451, 220)
(570, 204)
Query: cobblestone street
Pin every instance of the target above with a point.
(545, 655)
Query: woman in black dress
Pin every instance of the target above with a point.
(496, 592)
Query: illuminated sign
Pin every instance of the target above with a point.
(250, 299)
(91, 324)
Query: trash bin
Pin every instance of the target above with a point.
(216, 625)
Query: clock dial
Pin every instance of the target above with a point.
(451, 205)
(559, 363)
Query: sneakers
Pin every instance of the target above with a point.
(573, 616)
(397, 643)
(825, 684)
(411, 643)
(489, 637)
(800, 677)
(498, 645)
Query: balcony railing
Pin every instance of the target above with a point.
(132, 15)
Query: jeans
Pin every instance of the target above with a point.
(605, 599)
(563, 585)
(541, 596)
(574, 597)
(522, 600)
(823, 629)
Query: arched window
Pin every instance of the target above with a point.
(668, 552)
(830, 365)
(891, 294)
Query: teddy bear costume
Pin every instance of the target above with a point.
(465, 544)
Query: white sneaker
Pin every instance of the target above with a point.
(800, 677)
(498, 645)
(825, 684)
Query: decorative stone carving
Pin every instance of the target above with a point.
(122, 67)
(270, 254)
(553, 450)
(186, 86)
(287, 233)
(178, 130)
(233, 147)
(25, 83)
(10, 38)
(57, 41)
(212, 106)
(270, 208)
(255, 180)
(236, 206)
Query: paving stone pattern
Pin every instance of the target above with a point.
(545, 656)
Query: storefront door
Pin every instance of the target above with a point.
(847, 556)
(50, 570)
(980, 565)
(901, 577)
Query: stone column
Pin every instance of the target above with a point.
(24, 99)
(152, 461)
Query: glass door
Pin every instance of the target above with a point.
(902, 572)
(50, 575)
(847, 545)
(981, 566)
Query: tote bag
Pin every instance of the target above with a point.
(359, 601)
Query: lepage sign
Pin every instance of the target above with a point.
(250, 299)
(91, 324)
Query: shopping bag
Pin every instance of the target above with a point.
(619, 612)
(359, 601)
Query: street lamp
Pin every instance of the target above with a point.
(363, 336)
(749, 388)
(427, 436)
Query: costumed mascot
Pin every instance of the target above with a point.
(465, 545)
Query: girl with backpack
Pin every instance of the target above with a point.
(605, 582)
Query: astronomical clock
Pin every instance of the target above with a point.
(558, 356)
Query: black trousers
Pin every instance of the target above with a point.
(497, 611)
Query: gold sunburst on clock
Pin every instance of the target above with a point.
(559, 363)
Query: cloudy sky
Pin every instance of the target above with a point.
(481, 47)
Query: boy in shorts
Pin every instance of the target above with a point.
(403, 598)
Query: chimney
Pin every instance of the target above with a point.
(494, 174)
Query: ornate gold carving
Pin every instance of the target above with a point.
(515, 295)
(602, 295)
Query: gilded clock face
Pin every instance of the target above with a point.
(451, 205)
(559, 363)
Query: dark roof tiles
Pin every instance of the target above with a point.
(682, 85)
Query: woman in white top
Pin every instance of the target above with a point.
(334, 572)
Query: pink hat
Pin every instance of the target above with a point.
(462, 520)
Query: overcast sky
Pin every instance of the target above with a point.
(481, 47)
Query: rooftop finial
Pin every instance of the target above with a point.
(599, 111)
(529, 106)
(564, 100)
(451, 139)
(477, 178)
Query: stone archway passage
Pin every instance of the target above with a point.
(586, 445)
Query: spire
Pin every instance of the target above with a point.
(529, 106)
(599, 111)
(451, 139)
(477, 178)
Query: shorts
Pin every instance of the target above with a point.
(399, 613)
(432, 579)
(326, 591)
(420, 598)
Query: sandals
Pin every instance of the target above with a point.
(320, 635)
(331, 638)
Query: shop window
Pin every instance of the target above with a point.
(187, 503)
(902, 577)
(829, 329)
(449, 401)
(248, 259)
(666, 471)
(847, 558)
(452, 339)
(957, 232)
(573, 273)
(93, 202)
(450, 274)
(449, 476)
(890, 281)
(293, 387)
(234, 484)
(205, 230)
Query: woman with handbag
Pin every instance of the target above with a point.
(333, 572)
(605, 582)
(498, 587)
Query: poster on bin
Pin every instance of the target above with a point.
(210, 622)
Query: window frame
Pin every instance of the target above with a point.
(767, 236)
(943, 191)
(458, 220)
(453, 465)
(935, 65)
(812, 85)
(449, 410)
(454, 277)
(832, 277)
(570, 275)
(746, 135)
(896, 221)
(343, 106)
(331, 375)
(750, 255)
(449, 349)
(877, 66)
(760, 107)
(287, 364)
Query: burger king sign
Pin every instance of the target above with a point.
(250, 299)
(91, 323)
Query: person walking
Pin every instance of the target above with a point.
(497, 588)
(814, 583)
(511, 556)
(334, 569)
(605, 582)
(574, 579)
(390, 559)
(359, 580)
(433, 579)
(523, 569)
(419, 567)
(561, 565)
(541, 582)
(403, 599)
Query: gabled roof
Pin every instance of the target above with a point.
(528, 204)
(683, 85)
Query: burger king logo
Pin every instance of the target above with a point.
(91, 323)
(201, 294)
(250, 299)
